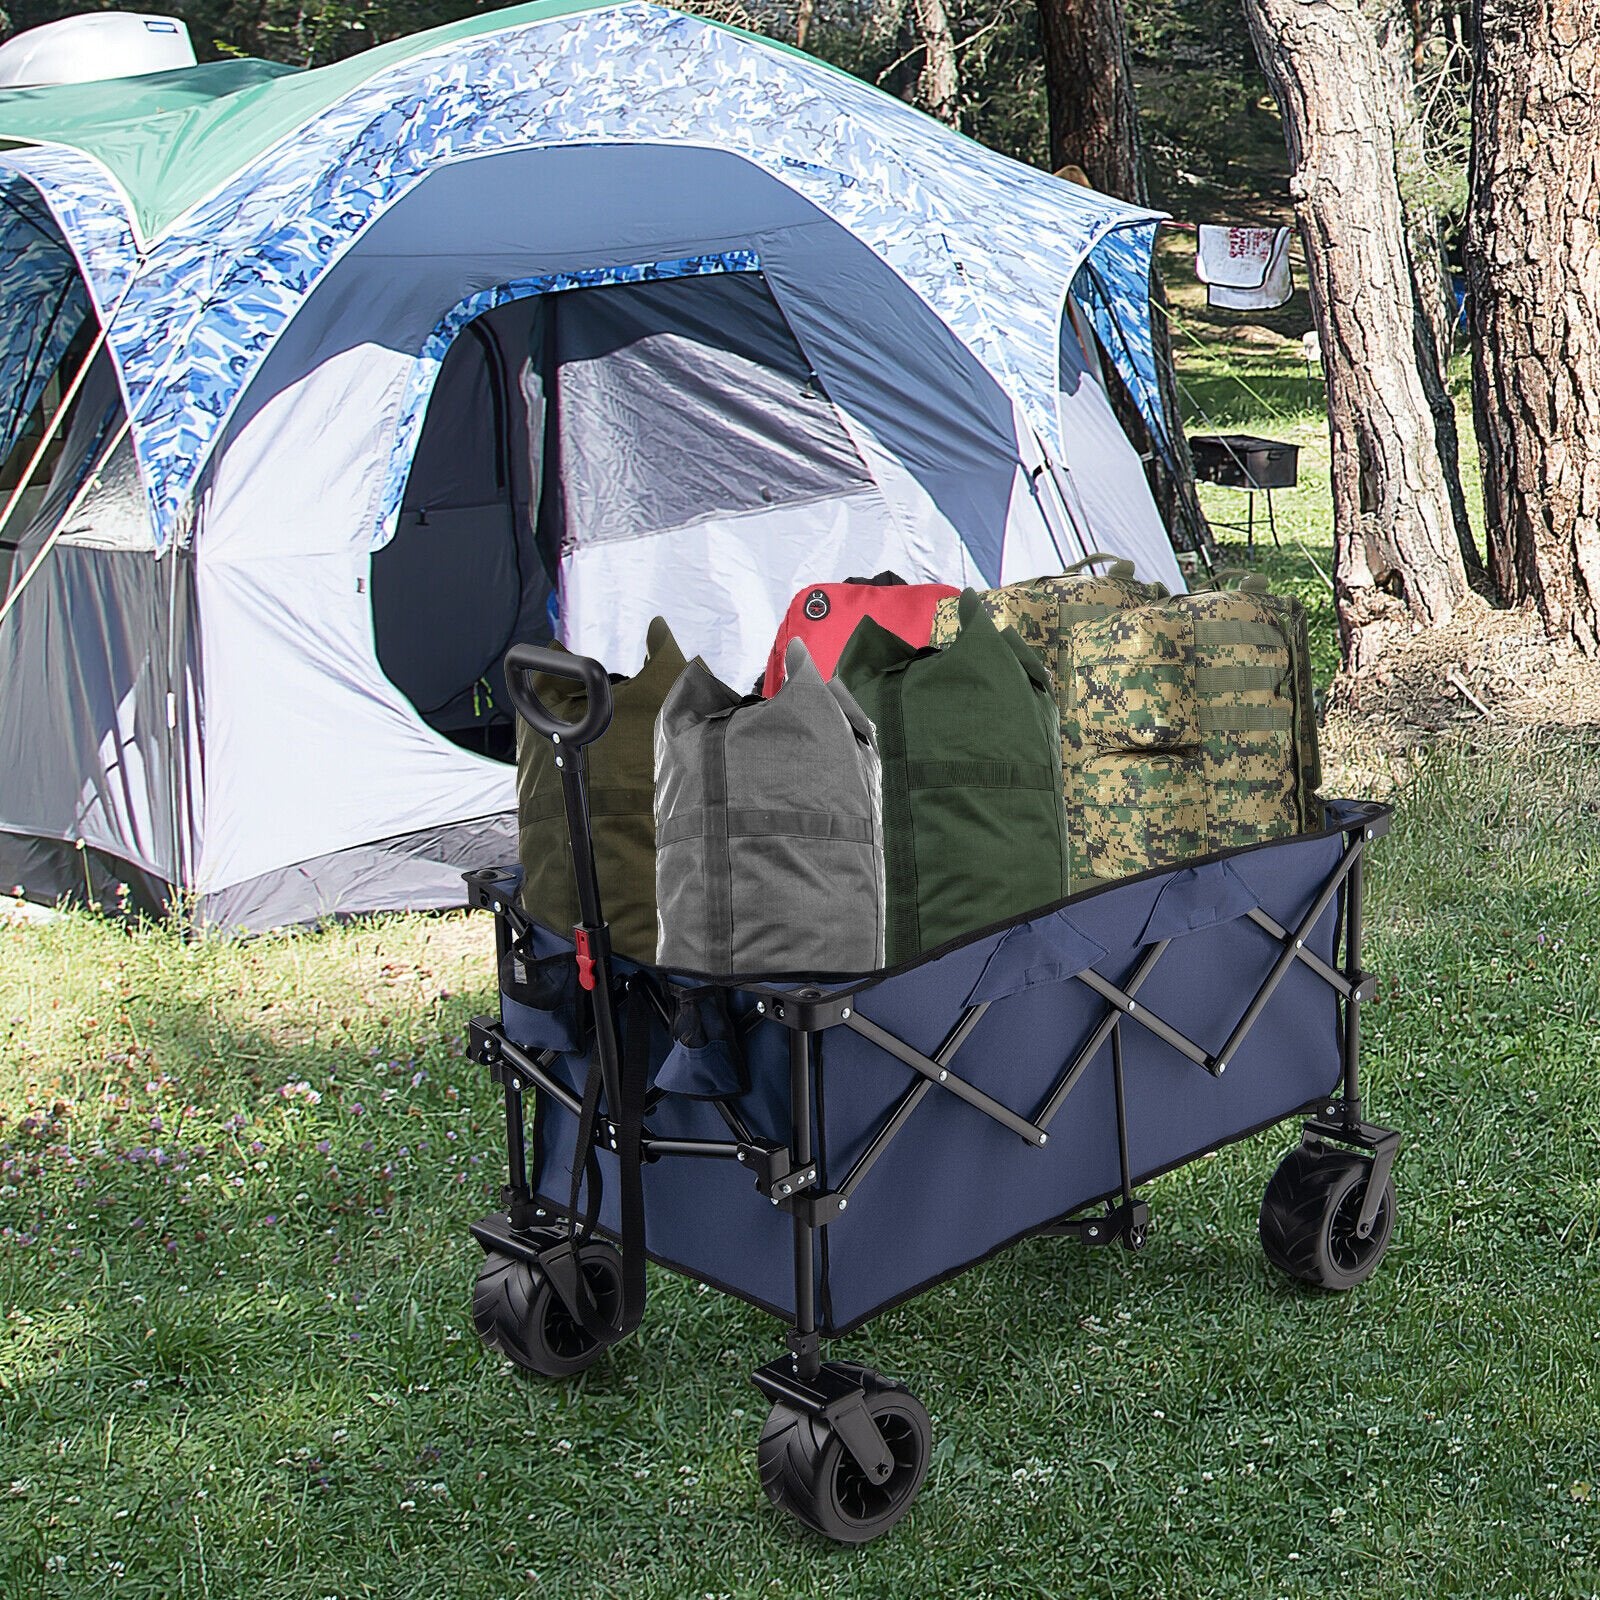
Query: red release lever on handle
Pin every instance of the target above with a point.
(580, 938)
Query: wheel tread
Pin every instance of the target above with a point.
(1309, 1183)
(796, 1457)
(511, 1302)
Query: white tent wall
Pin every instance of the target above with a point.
(1102, 479)
(94, 756)
(296, 701)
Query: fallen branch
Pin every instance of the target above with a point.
(1452, 676)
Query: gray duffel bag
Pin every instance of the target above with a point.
(769, 827)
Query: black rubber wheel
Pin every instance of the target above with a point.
(1309, 1216)
(807, 1471)
(517, 1311)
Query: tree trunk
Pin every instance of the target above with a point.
(803, 14)
(1533, 257)
(1089, 92)
(1396, 559)
(1094, 127)
(1399, 49)
(938, 90)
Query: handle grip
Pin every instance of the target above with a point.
(1116, 566)
(524, 660)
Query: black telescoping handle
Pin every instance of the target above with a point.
(569, 739)
(524, 660)
(622, 1082)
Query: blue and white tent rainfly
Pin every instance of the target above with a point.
(546, 321)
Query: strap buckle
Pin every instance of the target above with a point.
(585, 955)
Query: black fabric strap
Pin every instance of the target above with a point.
(718, 861)
(630, 1155)
(629, 1122)
(903, 921)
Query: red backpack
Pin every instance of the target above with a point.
(826, 614)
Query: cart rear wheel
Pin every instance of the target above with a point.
(807, 1471)
(1309, 1217)
(518, 1312)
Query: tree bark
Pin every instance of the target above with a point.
(1396, 559)
(1533, 259)
(1399, 49)
(1094, 127)
(1089, 92)
(938, 90)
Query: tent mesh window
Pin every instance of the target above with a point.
(591, 416)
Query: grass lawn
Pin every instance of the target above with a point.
(237, 1357)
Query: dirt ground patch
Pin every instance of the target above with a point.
(1491, 673)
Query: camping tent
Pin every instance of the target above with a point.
(541, 322)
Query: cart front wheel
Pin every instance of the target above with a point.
(1310, 1214)
(807, 1471)
(518, 1312)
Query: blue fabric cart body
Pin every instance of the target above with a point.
(1221, 981)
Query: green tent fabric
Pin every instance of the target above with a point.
(621, 803)
(974, 822)
(169, 139)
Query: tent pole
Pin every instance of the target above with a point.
(66, 516)
(177, 751)
(48, 436)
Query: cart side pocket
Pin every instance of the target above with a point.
(542, 1006)
(1198, 897)
(706, 1060)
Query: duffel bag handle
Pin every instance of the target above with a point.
(524, 660)
(1116, 566)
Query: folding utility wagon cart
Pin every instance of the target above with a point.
(827, 1147)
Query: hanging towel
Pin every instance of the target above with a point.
(973, 821)
(769, 827)
(1236, 258)
(621, 765)
(1244, 269)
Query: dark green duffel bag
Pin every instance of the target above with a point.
(969, 736)
(621, 803)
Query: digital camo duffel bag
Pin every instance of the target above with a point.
(1044, 611)
(1192, 729)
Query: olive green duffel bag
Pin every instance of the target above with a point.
(621, 803)
(973, 820)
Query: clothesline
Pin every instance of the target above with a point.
(1173, 225)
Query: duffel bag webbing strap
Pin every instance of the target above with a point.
(628, 1120)
(718, 857)
(902, 916)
